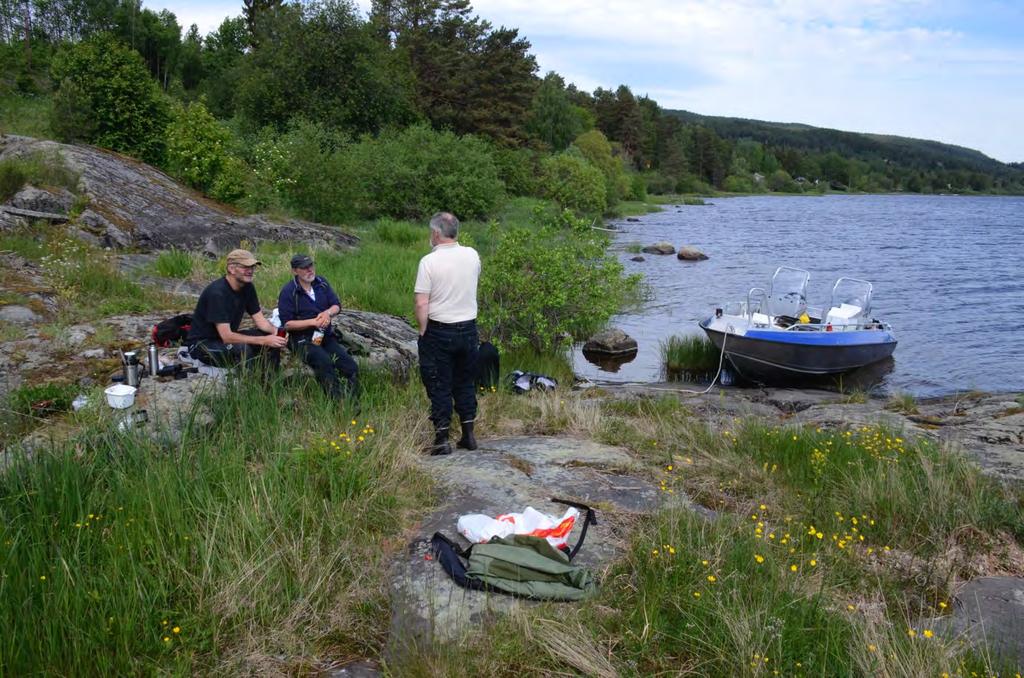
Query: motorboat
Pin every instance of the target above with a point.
(774, 336)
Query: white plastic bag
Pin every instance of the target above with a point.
(479, 528)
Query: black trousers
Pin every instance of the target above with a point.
(448, 357)
(329, 360)
(218, 354)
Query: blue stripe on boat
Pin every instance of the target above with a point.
(823, 338)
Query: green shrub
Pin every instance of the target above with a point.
(688, 183)
(72, 117)
(658, 183)
(233, 182)
(738, 184)
(418, 171)
(596, 148)
(550, 279)
(637, 188)
(197, 146)
(123, 107)
(519, 170)
(574, 183)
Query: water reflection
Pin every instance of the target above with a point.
(608, 362)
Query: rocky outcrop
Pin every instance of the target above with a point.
(660, 248)
(611, 341)
(57, 201)
(687, 253)
(989, 613)
(132, 204)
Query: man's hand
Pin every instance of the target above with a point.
(323, 319)
(274, 341)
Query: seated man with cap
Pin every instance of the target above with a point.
(214, 338)
(306, 306)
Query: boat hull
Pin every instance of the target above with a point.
(766, 355)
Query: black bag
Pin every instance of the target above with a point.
(172, 331)
(488, 366)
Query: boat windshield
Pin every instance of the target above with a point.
(853, 292)
(788, 294)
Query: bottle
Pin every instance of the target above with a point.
(153, 358)
(318, 336)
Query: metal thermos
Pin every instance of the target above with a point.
(131, 368)
(153, 360)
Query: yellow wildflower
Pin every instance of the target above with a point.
(928, 633)
(758, 557)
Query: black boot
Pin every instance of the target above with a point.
(467, 441)
(441, 444)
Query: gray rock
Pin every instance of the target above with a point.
(659, 248)
(18, 314)
(988, 612)
(637, 258)
(389, 340)
(155, 212)
(56, 201)
(174, 404)
(105, 233)
(687, 253)
(93, 354)
(11, 222)
(612, 341)
(509, 474)
(632, 219)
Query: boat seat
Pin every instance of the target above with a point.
(760, 319)
(844, 314)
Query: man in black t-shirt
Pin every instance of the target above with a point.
(214, 338)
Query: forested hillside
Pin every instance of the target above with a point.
(318, 110)
(920, 155)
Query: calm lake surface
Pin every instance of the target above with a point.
(948, 275)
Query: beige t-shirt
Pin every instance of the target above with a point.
(449, 275)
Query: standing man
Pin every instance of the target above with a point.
(214, 338)
(307, 305)
(445, 296)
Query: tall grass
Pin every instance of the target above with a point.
(41, 169)
(174, 263)
(691, 356)
(260, 536)
(26, 115)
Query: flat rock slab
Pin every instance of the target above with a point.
(989, 612)
(506, 475)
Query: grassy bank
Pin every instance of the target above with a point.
(260, 544)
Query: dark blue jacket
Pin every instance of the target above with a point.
(294, 304)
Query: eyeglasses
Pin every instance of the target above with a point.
(306, 268)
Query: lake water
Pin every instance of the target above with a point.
(947, 271)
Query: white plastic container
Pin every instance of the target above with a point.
(120, 396)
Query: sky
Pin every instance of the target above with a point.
(948, 70)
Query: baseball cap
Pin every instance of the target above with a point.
(302, 261)
(243, 258)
